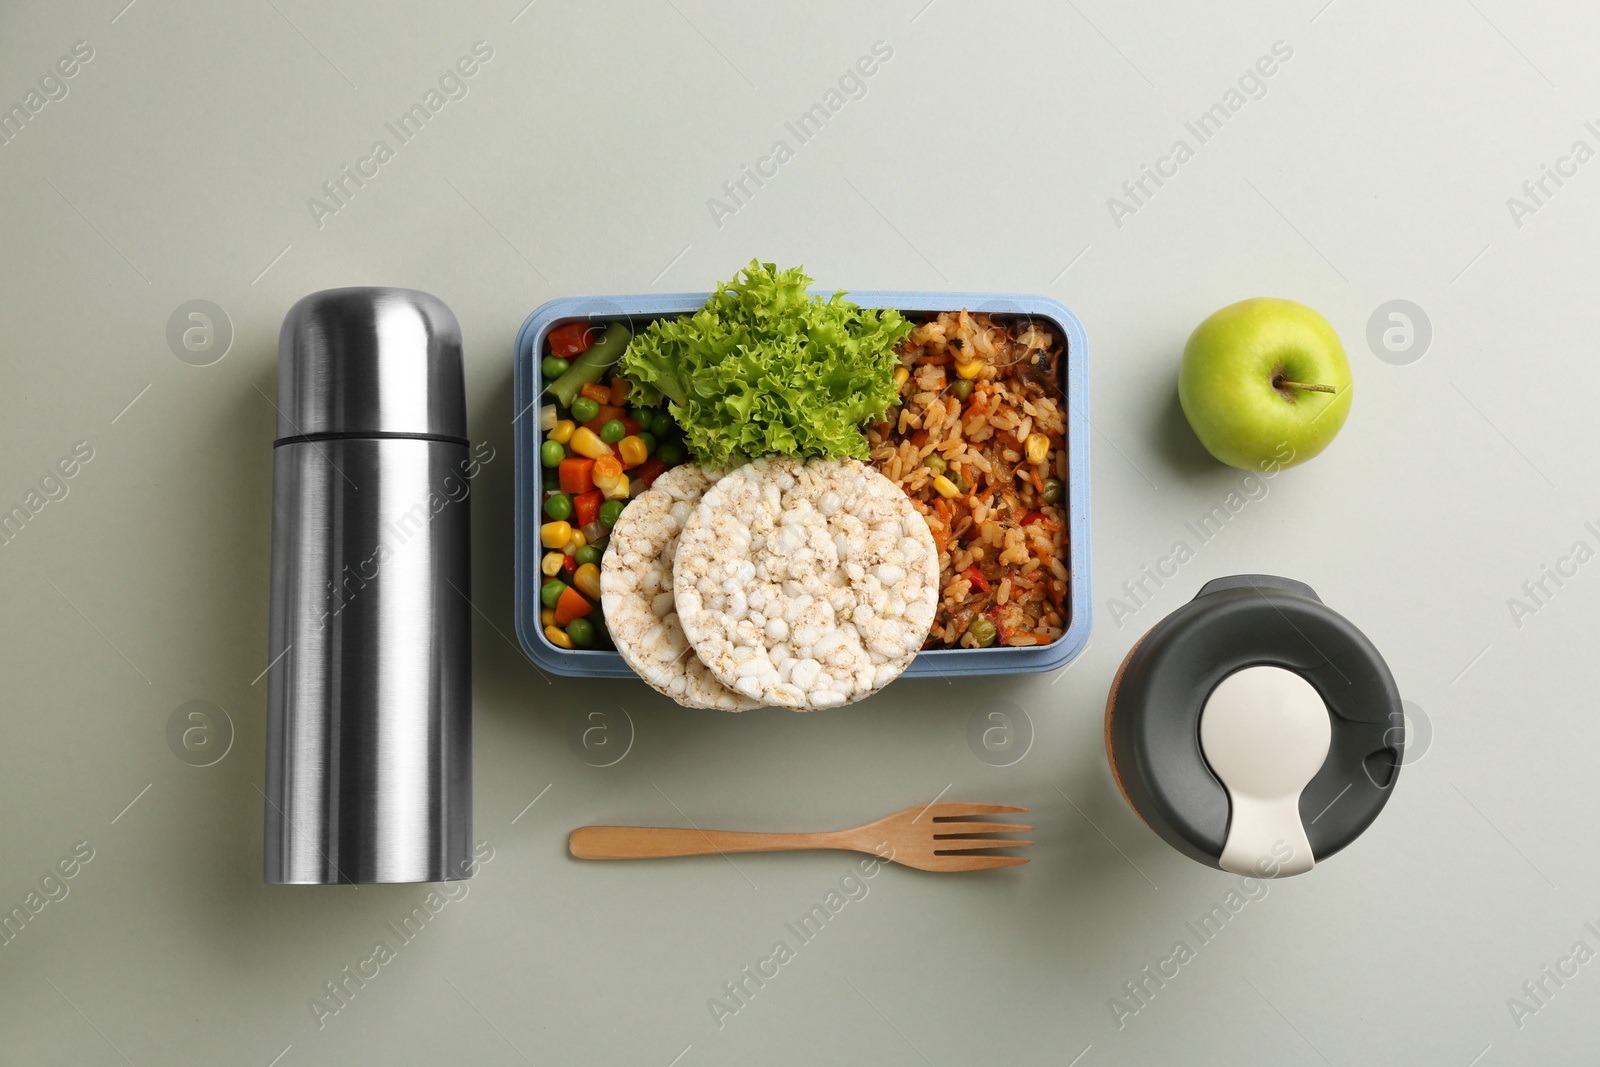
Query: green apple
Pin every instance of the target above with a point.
(1264, 383)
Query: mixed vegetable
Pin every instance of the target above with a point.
(598, 452)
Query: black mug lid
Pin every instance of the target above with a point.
(1154, 713)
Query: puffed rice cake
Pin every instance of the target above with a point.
(806, 584)
(636, 592)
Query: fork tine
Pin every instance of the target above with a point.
(967, 844)
(952, 809)
(943, 829)
(975, 863)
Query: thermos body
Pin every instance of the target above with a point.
(369, 735)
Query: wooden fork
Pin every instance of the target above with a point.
(936, 837)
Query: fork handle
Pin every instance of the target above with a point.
(644, 842)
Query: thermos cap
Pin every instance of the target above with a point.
(370, 361)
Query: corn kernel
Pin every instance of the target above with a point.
(546, 617)
(901, 376)
(562, 432)
(618, 491)
(632, 450)
(945, 486)
(576, 543)
(1038, 447)
(555, 534)
(557, 636)
(587, 579)
(551, 564)
(585, 442)
(968, 370)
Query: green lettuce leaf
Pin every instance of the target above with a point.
(766, 368)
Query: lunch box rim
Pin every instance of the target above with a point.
(528, 387)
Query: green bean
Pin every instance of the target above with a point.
(592, 365)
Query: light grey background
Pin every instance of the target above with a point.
(1377, 166)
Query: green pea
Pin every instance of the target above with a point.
(609, 512)
(963, 388)
(661, 424)
(641, 415)
(585, 408)
(581, 631)
(1051, 493)
(551, 453)
(960, 482)
(982, 631)
(670, 452)
(649, 440)
(550, 592)
(558, 506)
(935, 463)
(588, 554)
(613, 431)
(554, 367)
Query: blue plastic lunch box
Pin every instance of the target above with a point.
(638, 312)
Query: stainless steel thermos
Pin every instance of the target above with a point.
(369, 690)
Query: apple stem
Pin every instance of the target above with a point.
(1282, 384)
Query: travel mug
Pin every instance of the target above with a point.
(369, 687)
(1255, 729)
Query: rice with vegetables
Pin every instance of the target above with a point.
(978, 445)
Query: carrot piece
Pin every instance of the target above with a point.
(571, 605)
(607, 413)
(596, 392)
(619, 391)
(576, 474)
